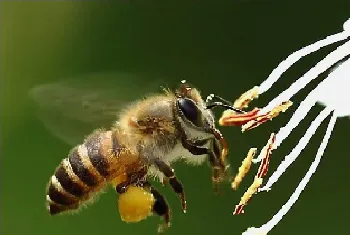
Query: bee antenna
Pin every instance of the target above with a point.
(211, 97)
(220, 104)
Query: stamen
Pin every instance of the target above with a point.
(340, 53)
(248, 195)
(258, 180)
(297, 55)
(243, 101)
(260, 119)
(264, 166)
(336, 83)
(292, 156)
(231, 118)
(286, 207)
(243, 169)
(299, 114)
(251, 119)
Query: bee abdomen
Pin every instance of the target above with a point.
(96, 156)
(83, 168)
(64, 192)
(78, 176)
(59, 199)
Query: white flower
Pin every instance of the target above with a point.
(333, 93)
(335, 87)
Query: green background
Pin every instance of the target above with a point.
(223, 47)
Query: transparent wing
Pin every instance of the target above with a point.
(73, 107)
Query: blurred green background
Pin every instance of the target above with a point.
(223, 47)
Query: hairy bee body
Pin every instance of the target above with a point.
(145, 132)
(149, 135)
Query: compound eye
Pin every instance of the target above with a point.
(190, 110)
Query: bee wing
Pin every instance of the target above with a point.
(73, 107)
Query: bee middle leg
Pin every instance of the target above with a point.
(176, 185)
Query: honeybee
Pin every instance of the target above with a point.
(148, 136)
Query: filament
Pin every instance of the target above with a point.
(303, 109)
(299, 114)
(292, 156)
(286, 207)
(332, 58)
(296, 56)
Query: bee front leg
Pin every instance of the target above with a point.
(214, 159)
(218, 166)
(176, 185)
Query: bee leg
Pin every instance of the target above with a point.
(139, 177)
(217, 164)
(214, 159)
(160, 207)
(173, 181)
(164, 181)
(121, 188)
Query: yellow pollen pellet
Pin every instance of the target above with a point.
(135, 204)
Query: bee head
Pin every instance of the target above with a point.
(197, 123)
(193, 112)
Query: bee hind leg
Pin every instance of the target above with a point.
(137, 178)
(176, 185)
(160, 207)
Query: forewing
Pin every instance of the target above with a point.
(73, 107)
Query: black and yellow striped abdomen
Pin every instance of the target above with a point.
(83, 173)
